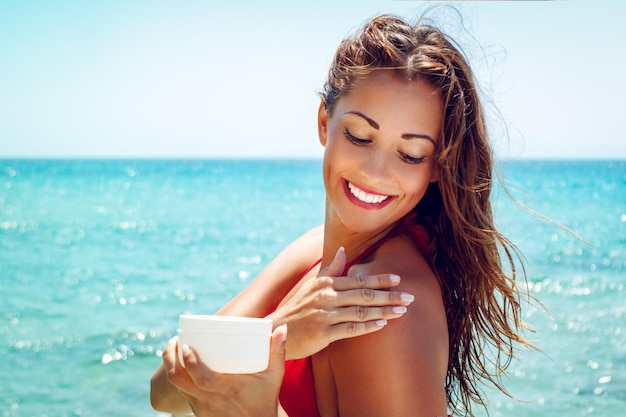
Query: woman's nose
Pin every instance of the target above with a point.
(376, 166)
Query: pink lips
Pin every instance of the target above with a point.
(366, 199)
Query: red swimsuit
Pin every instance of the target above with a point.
(297, 393)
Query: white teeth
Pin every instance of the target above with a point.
(366, 197)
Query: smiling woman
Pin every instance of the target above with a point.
(393, 302)
(380, 141)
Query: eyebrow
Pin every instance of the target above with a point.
(376, 126)
(371, 122)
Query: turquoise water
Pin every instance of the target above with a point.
(98, 258)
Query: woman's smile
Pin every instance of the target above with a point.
(366, 199)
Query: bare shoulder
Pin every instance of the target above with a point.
(308, 246)
(400, 256)
(278, 277)
(401, 369)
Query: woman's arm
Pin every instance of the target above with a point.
(319, 310)
(257, 300)
(322, 307)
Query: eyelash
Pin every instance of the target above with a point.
(362, 142)
(354, 139)
(412, 160)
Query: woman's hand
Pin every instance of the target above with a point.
(331, 307)
(213, 394)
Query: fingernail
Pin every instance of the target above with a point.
(284, 331)
(407, 298)
(394, 278)
(399, 309)
(341, 249)
(381, 323)
(186, 350)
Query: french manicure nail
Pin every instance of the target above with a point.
(394, 278)
(381, 323)
(399, 309)
(407, 298)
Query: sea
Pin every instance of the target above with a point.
(98, 258)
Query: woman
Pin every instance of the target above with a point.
(408, 173)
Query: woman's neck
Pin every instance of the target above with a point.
(336, 235)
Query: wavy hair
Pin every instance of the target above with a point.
(482, 300)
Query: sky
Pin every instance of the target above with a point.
(240, 79)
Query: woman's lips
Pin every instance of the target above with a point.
(366, 199)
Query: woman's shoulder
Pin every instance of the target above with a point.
(406, 360)
(400, 255)
(279, 276)
(300, 254)
(304, 251)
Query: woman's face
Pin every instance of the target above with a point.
(379, 150)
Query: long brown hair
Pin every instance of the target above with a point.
(482, 300)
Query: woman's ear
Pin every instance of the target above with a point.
(435, 176)
(322, 123)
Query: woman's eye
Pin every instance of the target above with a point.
(411, 159)
(354, 139)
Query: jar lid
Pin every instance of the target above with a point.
(224, 324)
